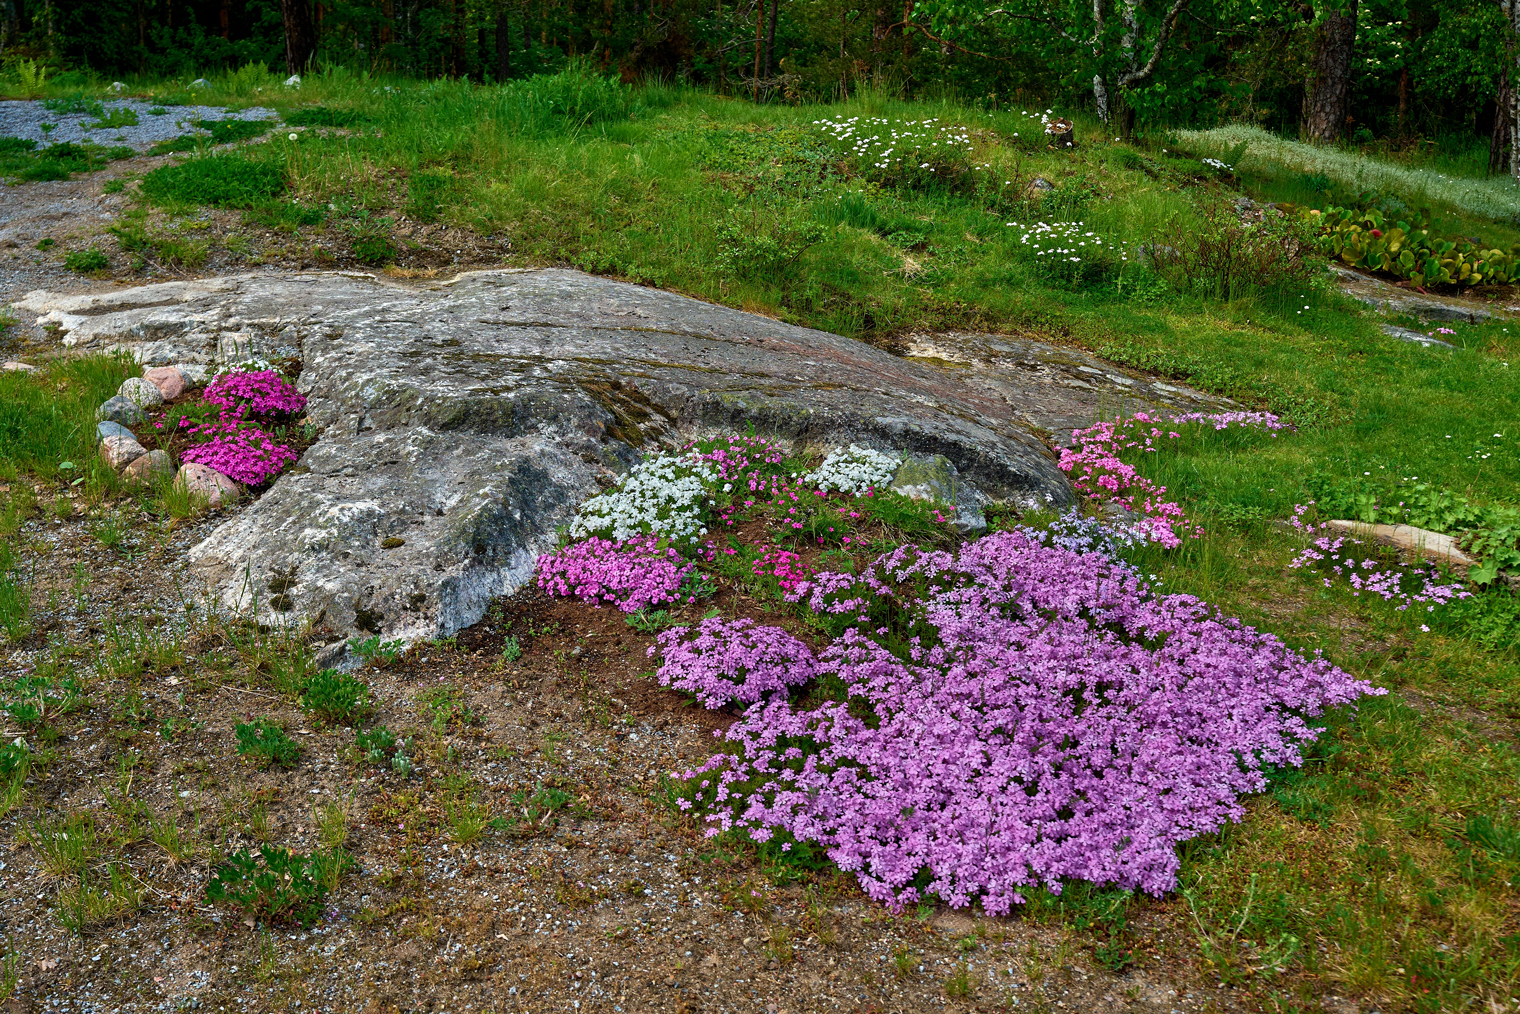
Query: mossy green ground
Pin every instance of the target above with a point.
(1385, 868)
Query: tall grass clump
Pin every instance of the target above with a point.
(223, 181)
(1497, 197)
(48, 418)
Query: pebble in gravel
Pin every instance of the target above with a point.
(22, 367)
(25, 119)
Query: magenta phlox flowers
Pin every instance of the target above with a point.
(632, 575)
(239, 450)
(1054, 721)
(262, 392)
(1098, 472)
(726, 661)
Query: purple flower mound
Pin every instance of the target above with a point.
(633, 575)
(732, 660)
(261, 392)
(1054, 721)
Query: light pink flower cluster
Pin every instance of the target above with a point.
(1099, 473)
(726, 661)
(1054, 721)
(633, 575)
(239, 450)
(1333, 557)
(262, 392)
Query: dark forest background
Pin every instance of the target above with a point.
(1435, 70)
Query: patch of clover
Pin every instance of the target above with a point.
(854, 470)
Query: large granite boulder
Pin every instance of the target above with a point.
(462, 422)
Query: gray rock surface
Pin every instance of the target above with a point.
(1392, 300)
(106, 428)
(935, 477)
(1052, 389)
(140, 392)
(1407, 334)
(470, 418)
(119, 410)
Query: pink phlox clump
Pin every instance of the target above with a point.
(633, 575)
(239, 450)
(1391, 582)
(1061, 723)
(1099, 473)
(783, 565)
(263, 392)
(723, 661)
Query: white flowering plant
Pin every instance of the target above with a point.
(854, 470)
(1068, 251)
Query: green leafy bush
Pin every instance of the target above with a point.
(223, 181)
(1367, 238)
(276, 884)
(16, 145)
(265, 743)
(334, 697)
(287, 216)
(86, 261)
(755, 250)
(30, 699)
(1220, 254)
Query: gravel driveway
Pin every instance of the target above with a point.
(155, 123)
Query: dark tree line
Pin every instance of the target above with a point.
(1326, 68)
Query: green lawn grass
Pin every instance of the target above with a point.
(1385, 868)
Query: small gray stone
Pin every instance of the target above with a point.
(120, 410)
(140, 392)
(194, 373)
(331, 656)
(1405, 334)
(18, 367)
(106, 428)
(935, 477)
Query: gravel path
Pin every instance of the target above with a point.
(154, 123)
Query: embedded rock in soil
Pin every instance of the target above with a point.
(935, 477)
(207, 481)
(148, 466)
(169, 381)
(1392, 300)
(140, 392)
(119, 452)
(117, 409)
(470, 418)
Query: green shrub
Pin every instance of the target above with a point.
(277, 884)
(1217, 254)
(223, 181)
(321, 116)
(86, 261)
(41, 172)
(334, 697)
(30, 699)
(382, 747)
(265, 743)
(16, 145)
(423, 191)
(229, 131)
(1367, 238)
(287, 216)
(376, 251)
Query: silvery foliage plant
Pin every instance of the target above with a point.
(854, 470)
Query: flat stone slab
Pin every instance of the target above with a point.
(461, 422)
(1392, 300)
(1414, 540)
(1053, 389)
(1406, 334)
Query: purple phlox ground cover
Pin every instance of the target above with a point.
(1098, 472)
(1013, 714)
(725, 661)
(633, 575)
(1333, 557)
(1050, 719)
(238, 449)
